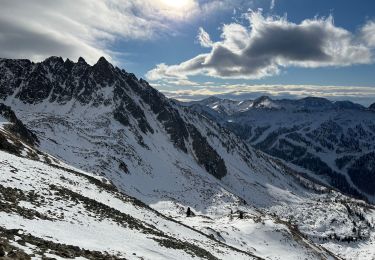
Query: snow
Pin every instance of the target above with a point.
(3, 121)
(304, 116)
(285, 214)
(179, 182)
(262, 236)
(80, 227)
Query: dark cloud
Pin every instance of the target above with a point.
(18, 42)
(269, 44)
(299, 43)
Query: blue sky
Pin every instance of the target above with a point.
(191, 49)
(173, 49)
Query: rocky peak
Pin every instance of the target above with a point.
(54, 65)
(104, 71)
(102, 61)
(53, 60)
(103, 65)
(80, 66)
(68, 64)
(211, 100)
(81, 60)
(129, 99)
(372, 107)
(262, 101)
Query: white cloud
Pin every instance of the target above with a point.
(270, 44)
(272, 5)
(204, 38)
(71, 28)
(362, 95)
(368, 33)
(160, 72)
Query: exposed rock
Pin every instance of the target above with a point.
(17, 127)
(310, 132)
(2, 251)
(207, 156)
(19, 255)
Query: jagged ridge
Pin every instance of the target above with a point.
(56, 80)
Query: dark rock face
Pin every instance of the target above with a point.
(104, 71)
(362, 172)
(54, 80)
(59, 81)
(12, 74)
(126, 105)
(372, 107)
(166, 113)
(17, 127)
(7, 146)
(17, 254)
(2, 251)
(207, 156)
(38, 87)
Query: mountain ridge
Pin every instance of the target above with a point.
(310, 102)
(287, 128)
(120, 130)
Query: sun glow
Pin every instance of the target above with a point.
(176, 4)
(177, 9)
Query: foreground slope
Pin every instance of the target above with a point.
(50, 210)
(103, 120)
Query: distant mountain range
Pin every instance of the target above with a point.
(97, 164)
(335, 141)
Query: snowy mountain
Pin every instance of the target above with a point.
(334, 140)
(105, 166)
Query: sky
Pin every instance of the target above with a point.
(191, 49)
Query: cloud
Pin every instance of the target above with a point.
(272, 5)
(17, 41)
(204, 38)
(71, 28)
(362, 95)
(368, 33)
(270, 44)
(181, 82)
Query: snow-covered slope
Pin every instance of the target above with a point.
(48, 202)
(104, 121)
(52, 211)
(335, 140)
